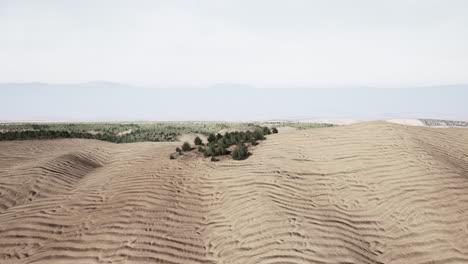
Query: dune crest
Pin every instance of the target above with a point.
(373, 192)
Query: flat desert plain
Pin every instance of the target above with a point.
(372, 192)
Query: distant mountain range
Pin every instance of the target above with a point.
(114, 101)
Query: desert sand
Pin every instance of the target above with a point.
(372, 192)
(408, 122)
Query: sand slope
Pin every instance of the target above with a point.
(367, 193)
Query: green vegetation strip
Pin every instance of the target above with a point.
(120, 132)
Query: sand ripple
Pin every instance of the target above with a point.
(367, 193)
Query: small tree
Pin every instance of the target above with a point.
(198, 141)
(211, 138)
(186, 146)
(274, 130)
(240, 152)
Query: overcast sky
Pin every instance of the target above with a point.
(398, 43)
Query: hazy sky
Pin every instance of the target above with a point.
(397, 43)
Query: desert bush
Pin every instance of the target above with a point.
(209, 152)
(211, 138)
(240, 152)
(171, 157)
(243, 136)
(214, 159)
(186, 146)
(216, 151)
(201, 149)
(258, 134)
(198, 141)
(178, 150)
(234, 138)
(266, 131)
(274, 130)
(221, 150)
(225, 141)
(135, 132)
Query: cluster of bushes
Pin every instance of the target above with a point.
(102, 128)
(221, 145)
(114, 132)
(51, 134)
(142, 135)
(135, 136)
(120, 132)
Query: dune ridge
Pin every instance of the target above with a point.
(372, 192)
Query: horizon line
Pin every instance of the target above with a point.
(244, 85)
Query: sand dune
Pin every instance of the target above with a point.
(371, 192)
(408, 122)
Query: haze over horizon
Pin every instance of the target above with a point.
(101, 101)
(180, 60)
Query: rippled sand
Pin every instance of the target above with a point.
(366, 193)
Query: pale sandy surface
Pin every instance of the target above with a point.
(242, 129)
(334, 121)
(408, 122)
(190, 137)
(286, 129)
(366, 193)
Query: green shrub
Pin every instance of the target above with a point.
(211, 138)
(171, 157)
(135, 132)
(186, 146)
(243, 136)
(198, 141)
(248, 135)
(178, 150)
(240, 152)
(266, 131)
(200, 149)
(214, 159)
(234, 138)
(212, 150)
(221, 149)
(274, 130)
(208, 152)
(225, 140)
(216, 151)
(258, 134)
